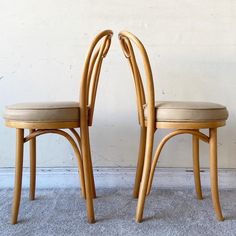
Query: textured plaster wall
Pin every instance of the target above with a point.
(192, 48)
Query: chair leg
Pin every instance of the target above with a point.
(196, 168)
(145, 176)
(87, 173)
(18, 174)
(91, 171)
(32, 146)
(214, 174)
(139, 170)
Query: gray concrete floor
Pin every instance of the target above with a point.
(167, 212)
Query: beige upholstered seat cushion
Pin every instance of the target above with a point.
(167, 111)
(43, 112)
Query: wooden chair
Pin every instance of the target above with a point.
(183, 117)
(53, 117)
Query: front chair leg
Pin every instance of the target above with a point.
(196, 168)
(18, 174)
(32, 146)
(214, 174)
(139, 170)
(87, 174)
(91, 170)
(145, 177)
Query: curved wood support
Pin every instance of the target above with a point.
(78, 139)
(103, 50)
(140, 93)
(73, 144)
(90, 163)
(196, 133)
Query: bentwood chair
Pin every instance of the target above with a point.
(54, 117)
(183, 117)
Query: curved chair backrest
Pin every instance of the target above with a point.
(92, 68)
(148, 98)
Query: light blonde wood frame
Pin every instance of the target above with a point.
(81, 145)
(146, 165)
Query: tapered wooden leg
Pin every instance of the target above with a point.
(139, 170)
(32, 146)
(196, 168)
(18, 174)
(145, 176)
(87, 173)
(91, 171)
(214, 174)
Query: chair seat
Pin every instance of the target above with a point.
(176, 111)
(43, 112)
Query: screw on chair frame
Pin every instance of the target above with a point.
(81, 145)
(148, 126)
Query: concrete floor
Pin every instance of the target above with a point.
(167, 212)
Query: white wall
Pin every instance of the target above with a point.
(192, 48)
